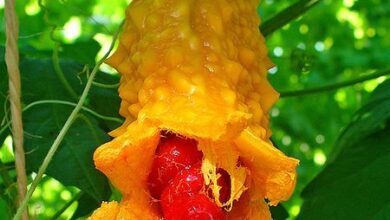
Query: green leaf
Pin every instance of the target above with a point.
(72, 163)
(278, 212)
(5, 211)
(369, 119)
(354, 184)
(381, 92)
(86, 54)
(287, 15)
(3, 95)
(59, 12)
(6, 192)
(39, 80)
(106, 101)
(86, 204)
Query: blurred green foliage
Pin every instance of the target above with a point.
(354, 183)
(336, 40)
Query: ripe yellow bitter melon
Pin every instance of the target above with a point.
(196, 68)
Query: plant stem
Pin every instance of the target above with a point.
(334, 86)
(107, 118)
(286, 16)
(67, 205)
(14, 82)
(64, 130)
(58, 70)
(106, 86)
(98, 84)
(55, 57)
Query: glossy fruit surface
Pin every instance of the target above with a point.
(173, 155)
(187, 183)
(198, 207)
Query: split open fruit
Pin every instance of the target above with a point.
(194, 71)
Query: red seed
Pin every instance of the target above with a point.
(198, 207)
(173, 154)
(187, 183)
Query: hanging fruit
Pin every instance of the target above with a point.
(196, 99)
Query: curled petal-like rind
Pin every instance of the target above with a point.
(126, 161)
(273, 173)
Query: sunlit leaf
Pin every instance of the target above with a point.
(369, 119)
(354, 185)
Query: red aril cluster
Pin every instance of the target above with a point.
(197, 207)
(187, 183)
(176, 179)
(173, 154)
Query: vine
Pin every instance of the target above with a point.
(14, 82)
(64, 129)
(334, 86)
(287, 15)
(61, 102)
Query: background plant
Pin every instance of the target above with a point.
(339, 130)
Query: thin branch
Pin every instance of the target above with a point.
(286, 16)
(106, 86)
(64, 129)
(55, 56)
(67, 205)
(334, 86)
(107, 118)
(58, 69)
(98, 84)
(12, 62)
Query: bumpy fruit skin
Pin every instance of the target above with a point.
(198, 69)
